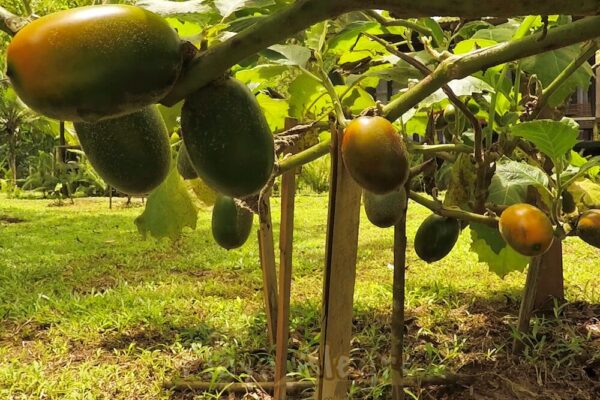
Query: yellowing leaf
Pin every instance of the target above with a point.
(168, 210)
(492, 250)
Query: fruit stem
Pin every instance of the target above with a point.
(438, 208)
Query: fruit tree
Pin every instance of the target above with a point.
(249, 90)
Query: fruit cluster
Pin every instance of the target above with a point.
(104, 68)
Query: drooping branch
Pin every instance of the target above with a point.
(457, 67)
(438, 208)
(475, 8)
(304, 13)
(9, 22)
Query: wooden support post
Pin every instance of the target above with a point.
(267, 263)
(551, 281)
(340, 274)
(595, 132)
(286, 237)
(398, 308)
(62, 150)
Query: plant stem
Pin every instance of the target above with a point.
(438, 208)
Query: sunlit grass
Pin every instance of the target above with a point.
(92, 311)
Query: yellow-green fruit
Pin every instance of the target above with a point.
(231, 224)
(131, 153)
(526, 229)
(436, 237)
(588, 227)
(385, 210)
(96, 62)
(375, 155)
(227, 138)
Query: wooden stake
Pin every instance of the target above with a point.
(340, 274)
(267, 263)
(544, 282)
(286, 236)
(398, 308)
(551, 282)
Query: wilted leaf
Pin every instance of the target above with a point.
(553, 138)
(586, 194)
(511, 180)
(493, 250)
(168, 210)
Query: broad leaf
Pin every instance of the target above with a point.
(289, 54)
(228, 7)
(261, 76)
(461, 87)
(547, 66)
(553, 138)
(275, 111)
(511, 181)
(168, 210)
(469, 45)
(302, 92)
(203, 192)
(500, 33)
(171, 8)
(493, 250)
(436, 30)
(590, 168)
(586, 194)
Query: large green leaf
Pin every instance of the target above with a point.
(275, 110)
(168, 210)
(511, 181)
(228, 7)
(500, 33)
(546, 66)
(493, 250)
(261, 76)
(167, 8)
(553, 138)
(461, 87)
(171, 115)
(303, 91)
(289, 54)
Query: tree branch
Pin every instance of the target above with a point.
(458, 67)
(10, 23)
(212, 63)
(438, 208)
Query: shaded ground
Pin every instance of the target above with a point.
(91, 311)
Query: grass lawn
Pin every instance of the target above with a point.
(91, 311)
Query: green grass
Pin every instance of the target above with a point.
(90, 311)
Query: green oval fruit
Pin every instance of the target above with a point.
(231, 224)
(385, 210)
(588, 227)
(130, 153)
(375, 154)
(436, 237)
(227, 138)
(450, 114)
(184, 165)
(96, 62)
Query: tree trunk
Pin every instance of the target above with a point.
(551, 283)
